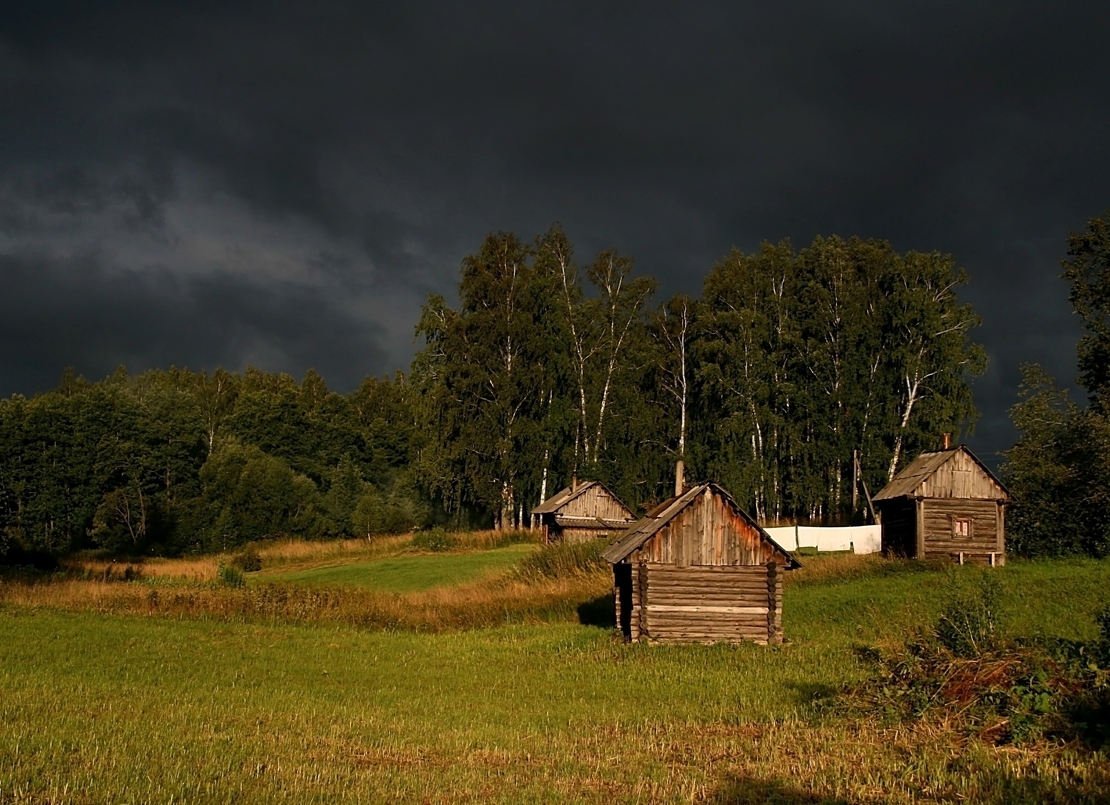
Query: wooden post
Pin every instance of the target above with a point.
(919, 505)
(616, 599)
(645, 625)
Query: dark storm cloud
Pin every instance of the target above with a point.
(77, 314)
(322, 163)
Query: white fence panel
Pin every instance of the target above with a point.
(867, 538)
(858, 538)
(786, 536)
(828, 539)
(807, 536)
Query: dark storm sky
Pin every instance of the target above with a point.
(283, 184)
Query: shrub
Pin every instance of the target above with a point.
(434, 539)
(249, 561)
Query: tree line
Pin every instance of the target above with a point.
(790, 366)
(1059, 469)
(169, 462)
(796, 377)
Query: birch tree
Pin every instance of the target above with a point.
(489, 363)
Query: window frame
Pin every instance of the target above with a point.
(957, 521)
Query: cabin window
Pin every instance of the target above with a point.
(961, 527)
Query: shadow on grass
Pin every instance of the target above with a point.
(813, 693)
(747, 791)
(598, 612)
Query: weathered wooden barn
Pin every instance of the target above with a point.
(698, 569)
(583, 511)
(945, 504)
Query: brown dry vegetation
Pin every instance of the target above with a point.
(285, 553)
(481, 604)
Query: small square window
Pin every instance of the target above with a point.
(961, 527)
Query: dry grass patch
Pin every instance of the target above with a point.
(480, 604)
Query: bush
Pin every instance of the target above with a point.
(434, 539)
(1002, 691)
(968, 624)
(564, 560)
(249, 561)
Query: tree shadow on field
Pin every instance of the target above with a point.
(748, 791)
(598, 612)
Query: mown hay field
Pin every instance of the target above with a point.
(101, 701)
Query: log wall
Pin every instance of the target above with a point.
(705, 604)
(580, 534)
(986, 538)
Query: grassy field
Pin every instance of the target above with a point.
(407, 573)
(138, 705)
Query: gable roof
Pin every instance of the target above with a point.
(657, 518)
(907, 482)
(565, 496)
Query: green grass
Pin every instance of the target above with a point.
(110, 708)
(407, 572)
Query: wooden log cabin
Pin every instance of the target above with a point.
(582, 512)
(698, 569)
(945, 504)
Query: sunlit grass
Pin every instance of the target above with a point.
(406, 573)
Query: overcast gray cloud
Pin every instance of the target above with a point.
(282, 184)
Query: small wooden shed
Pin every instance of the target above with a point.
(698, 569)
(945, 504)
(583, 511)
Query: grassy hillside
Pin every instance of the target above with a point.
(98, 706)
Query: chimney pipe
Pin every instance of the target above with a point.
(574, 482)
(679, 479)
(947, 441)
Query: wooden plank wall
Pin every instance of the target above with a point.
(596, 502)
(708, 533)
(709, 604)
(961, 477)
(985, 529)
(581, 534)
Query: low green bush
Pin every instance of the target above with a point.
(434, 539)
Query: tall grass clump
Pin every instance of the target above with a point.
(230, 576)
(968, 625)
(564, 560)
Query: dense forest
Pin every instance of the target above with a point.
(790, 366)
